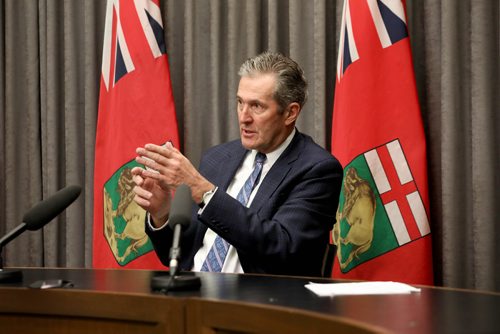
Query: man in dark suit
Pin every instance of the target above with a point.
(266, 202)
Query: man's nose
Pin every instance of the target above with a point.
(245, 115)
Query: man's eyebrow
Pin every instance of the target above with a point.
(250, 100)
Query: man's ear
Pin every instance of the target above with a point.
(292, 113)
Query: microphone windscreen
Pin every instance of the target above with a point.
(180, 212)
(48, 209)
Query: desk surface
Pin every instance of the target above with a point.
(433, 310)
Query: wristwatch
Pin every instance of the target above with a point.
(206, 197)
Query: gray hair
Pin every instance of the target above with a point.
(291, 84)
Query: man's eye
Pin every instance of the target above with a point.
(256, 107)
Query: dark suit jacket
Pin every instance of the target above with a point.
(286, 229)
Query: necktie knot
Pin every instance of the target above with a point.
(260, 158)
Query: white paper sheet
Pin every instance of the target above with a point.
(360, 288)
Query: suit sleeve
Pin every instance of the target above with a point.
(289, 232)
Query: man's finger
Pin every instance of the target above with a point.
(143, 203)
(151, 174)
(150, 164)
(137, 170)
(167, 150)
(140, 191)
(138, 180)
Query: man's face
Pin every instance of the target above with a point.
(262, 126)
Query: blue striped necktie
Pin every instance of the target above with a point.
(217, 254)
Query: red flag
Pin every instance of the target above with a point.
(136, 107)
(382, 230)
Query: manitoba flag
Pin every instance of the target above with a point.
(382, 230)
(136, 107)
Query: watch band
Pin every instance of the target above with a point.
(206, 196)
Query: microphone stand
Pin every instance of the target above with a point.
(175, 280)
(180, 215)
(10, 276)
(34, 219)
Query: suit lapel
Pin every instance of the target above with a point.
(231, 160)
(231, 164)
(278, 172)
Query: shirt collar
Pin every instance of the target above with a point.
(273, 156)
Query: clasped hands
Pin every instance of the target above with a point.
(166, 169)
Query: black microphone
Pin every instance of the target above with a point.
(37, 217)
(180, 216)
(48, 209)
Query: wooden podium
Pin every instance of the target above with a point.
(68, 311)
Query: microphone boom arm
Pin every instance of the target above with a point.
(36, 218)
(9, 237)
(12, 235)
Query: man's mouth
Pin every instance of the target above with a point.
(247, 132)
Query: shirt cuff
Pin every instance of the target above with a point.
(150, 224)
(206, 200)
